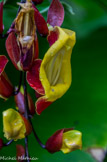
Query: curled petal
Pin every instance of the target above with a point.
(6, 88)
(42, 104)
(1, 143)
(33, 77)
(20, 152)
(1, 17)
(3, 63)
(13, 49)
(40, 22)
(54, 143)
(13, 125)
(55, 13)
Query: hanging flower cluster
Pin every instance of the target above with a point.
(50, 77)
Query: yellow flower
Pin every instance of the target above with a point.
(52, 77)
(14, 127)
(72, 140)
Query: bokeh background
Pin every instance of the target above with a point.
(84, 106)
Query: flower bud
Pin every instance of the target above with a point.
(19, 100)
(20, 153)
(66, 140)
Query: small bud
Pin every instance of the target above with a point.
(20, 153)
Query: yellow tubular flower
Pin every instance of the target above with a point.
(72, 140)
(14, 127)
(55, 69)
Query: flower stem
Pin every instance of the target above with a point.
(26, 115)
(8, 143)
(36, 136)
(20, 82)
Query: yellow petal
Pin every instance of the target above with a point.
(14, 127)
(72, 140)
(55, 70)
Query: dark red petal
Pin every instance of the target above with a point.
(20, 152)
(36, 48)
(1, 143)
(38, 95)
(33, 77)
(54, 143)
(27, 125)
(6, 88)
(40, 23)
(68, 129)
(37, 1)
(3, 62)
(27, 58)
(1, 17)
(53, 37)
(55, 13)
(42, 104)
(13, 49)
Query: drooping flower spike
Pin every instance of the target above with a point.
(51, 77)
(6, 88)
(15, 126)
(1, 17)
(65, 140)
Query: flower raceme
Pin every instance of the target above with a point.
(6, 88)
(66, 140)
(15, 125)
(51, 77)
(22, 48)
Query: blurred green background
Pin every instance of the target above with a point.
(84, 106)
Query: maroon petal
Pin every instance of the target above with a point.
(33, 77)
(53, 37)
(1, 17)
(42, 104)
(1, 143)
(54, 143)
(3, 62)
(20, 152)
(27, 58)
(40, 23)
(13, 49)
(55, 13)
(6, 88)
(37, 1)
(31, 105)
